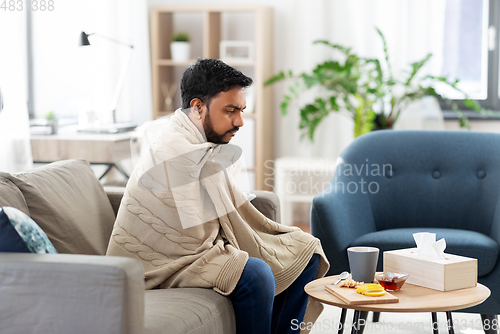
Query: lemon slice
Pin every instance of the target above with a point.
(374, 293)
(372, 290)
(369, 286)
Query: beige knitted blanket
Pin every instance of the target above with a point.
(184, 217)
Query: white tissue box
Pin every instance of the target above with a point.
(451, 273)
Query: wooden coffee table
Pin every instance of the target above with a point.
(412, 298)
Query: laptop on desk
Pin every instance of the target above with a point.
(108, 128)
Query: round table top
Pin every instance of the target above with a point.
(412, 298)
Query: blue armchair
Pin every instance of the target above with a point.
(391, 184)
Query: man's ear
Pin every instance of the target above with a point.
(197, 107)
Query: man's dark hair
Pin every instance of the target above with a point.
(207, 78)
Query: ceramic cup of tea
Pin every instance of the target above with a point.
(363, 263)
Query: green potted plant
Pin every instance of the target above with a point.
(51, 119)
(180, 48)
(364, 88)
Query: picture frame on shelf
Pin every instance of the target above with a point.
(236, 50)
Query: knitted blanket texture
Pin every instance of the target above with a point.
(185, 219)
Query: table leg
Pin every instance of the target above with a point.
(111, 165)
(121, 170)
(355, 321)
(451, 330)
(107, 170)
(435, 329)
(363, 315)
(342, 321)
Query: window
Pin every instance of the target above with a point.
(68, 79)
(470, 50)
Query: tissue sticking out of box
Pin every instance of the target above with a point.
(428, 246)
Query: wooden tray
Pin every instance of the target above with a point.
(351, 297)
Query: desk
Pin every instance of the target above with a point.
(97, 149)
(412, 298)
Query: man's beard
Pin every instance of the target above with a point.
(210, 133)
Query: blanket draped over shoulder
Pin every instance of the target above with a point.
(185, 219)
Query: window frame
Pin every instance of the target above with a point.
(492, 101)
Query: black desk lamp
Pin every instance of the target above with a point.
(84, 41)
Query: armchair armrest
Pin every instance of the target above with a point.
(115, 195)
(63, 293)
(337, 219)
(267, 203)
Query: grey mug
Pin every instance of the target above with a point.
(363, 263)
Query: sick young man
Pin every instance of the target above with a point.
(185, 218)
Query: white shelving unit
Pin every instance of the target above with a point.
(208, 26)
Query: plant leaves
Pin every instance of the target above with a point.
(334, 46)
(358, 85)
(386, 54)
(416, 67)
(278, 77)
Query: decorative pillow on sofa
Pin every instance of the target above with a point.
(20, 234)
(10, 195)
(69, 204)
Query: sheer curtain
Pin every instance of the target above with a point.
(15, 147)
(412, 29)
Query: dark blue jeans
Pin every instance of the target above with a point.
(256, 308)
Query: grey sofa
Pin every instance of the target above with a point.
(447, 182)
(82, 291)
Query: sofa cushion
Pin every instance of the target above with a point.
(68, 202)
(10, 195)
(459, 242)
(188, 311)
(20, 234)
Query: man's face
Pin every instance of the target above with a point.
(222, 118)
